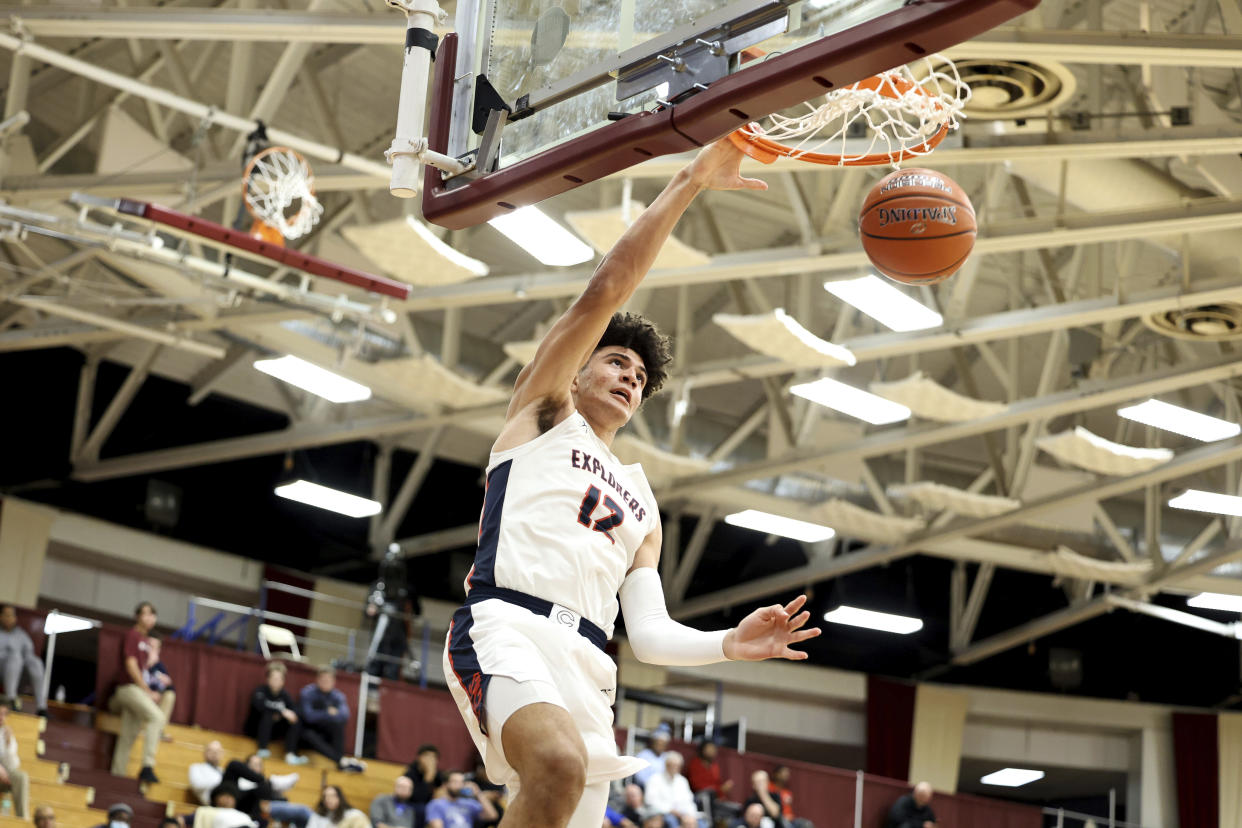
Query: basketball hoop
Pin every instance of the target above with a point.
(906, 116)
(279, 191)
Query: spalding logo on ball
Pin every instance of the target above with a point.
(917, 226)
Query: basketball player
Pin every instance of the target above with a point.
(565, 527)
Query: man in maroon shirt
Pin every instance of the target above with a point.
(136, 703)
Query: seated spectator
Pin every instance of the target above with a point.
(913, 810)
(137, 704)
(17, 653)
(252, 787)
(761, 793)
(273, 714)
(119, 814)
(395, 810)
(614, 819)
(753, 817)
(158, 680)
(780, 792)
(669, 793)
(45, 817)
(275, 808)
(460, 806)
(222, 810)
(426, 775)
(704, 777)
(13, 779)
(657, 746)
(633, 807)
(333, 811)
(487, 790)
(324, 714)
(653, 819)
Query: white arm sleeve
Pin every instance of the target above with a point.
(656, 638)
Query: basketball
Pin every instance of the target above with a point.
(917, 226)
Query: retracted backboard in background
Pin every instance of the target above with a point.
(594, 86)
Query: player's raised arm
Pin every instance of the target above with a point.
(570, 341)
(768, 632)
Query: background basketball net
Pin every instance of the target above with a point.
(905, 115)
(279, 191)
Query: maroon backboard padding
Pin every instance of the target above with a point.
(924, 27)
(277, 253)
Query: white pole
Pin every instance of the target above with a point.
(858, 796)
(48, 655)
(362, 712)
(194, 109)
(415, 74)
(1112, 808)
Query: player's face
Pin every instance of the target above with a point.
(609, 388)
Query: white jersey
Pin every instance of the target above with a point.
(562, 520)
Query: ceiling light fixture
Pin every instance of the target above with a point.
(1216, 601)
(543, 238)
(885, 304)
(780, 525)
(1194, 500)
(334, 500)
(872, 620)
(310, 377)
(1181, 421)
(853, 401)
(1012, 777)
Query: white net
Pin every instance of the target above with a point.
(280, 191)
(897, 114)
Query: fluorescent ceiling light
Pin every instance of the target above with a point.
(1012, 777)
(1216, 601)
(58, 622)
(543, 238)
(310, 377)
(312, 494)
(872, 620)
(885, 304)
(780, 525)
(1194, 500)
(852, 401)
(1181, 421)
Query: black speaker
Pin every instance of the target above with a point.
(1065, 668)
(163, 506)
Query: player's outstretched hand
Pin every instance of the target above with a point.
(718, 167)
(768, 632)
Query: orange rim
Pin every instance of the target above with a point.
(764, 149)
(250, 169)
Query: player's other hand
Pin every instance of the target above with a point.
(768, 632)
(717, 167)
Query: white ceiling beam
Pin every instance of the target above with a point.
(328, 178)
(1207, 215)
(1105, 48)
(163, 337)
(432, 542)
(117, 407)
(276, 442)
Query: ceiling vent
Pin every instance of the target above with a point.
(1206, 323)
(1015, 89)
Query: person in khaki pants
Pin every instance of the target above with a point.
(137, 704)
(12, 779)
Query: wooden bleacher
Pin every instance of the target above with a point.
(71, 802)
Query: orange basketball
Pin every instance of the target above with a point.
(917, 226)
(265, 232)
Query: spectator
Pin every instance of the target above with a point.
(276, 808)
(780, 792)
(615, 819)
(252, 787)
(669, 793)
(119, 815)
(17, 653)
(753, 817)
(157, 678)
(395, 810)
(653, 819)
(273, 714)
(461, 805)
(633, 807)
(12, 778)
(705, 781)
(653, 755)
(137, 704)
(761, 788)
(324, 713)
(45, 817)
(487, 790)
(913, 810)
(426, 775)
(334, 811)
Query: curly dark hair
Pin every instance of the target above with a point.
(629, 330)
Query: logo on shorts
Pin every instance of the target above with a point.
(566, 618)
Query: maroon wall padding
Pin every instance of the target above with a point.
(890, 727)
(779, 82)
(410, 716)
(957, 810)
(1196, 754)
